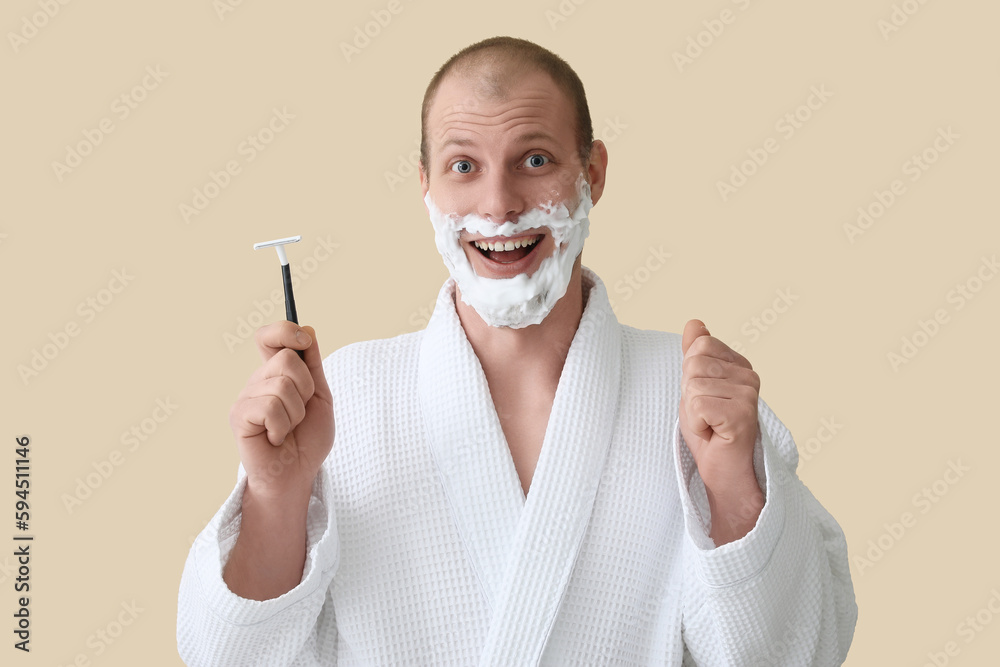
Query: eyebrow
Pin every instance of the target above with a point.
(523, 139)
(457, 142)
(535, 136)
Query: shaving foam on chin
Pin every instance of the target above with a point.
(522, 300)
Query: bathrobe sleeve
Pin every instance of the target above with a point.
(217, 628)
(780, 595)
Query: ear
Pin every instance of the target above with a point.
(597, 169)
(425, 185)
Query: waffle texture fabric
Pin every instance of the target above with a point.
(423, 549)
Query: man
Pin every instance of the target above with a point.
(526, 480)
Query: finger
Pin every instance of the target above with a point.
(314, 362)
(703, 366)
(713, 347)
(692, 330)
(286, 362)
(708, 412)
(739, 401)
(284, 389)
(695, 421)
(718, 388)
(278, 335)
(254, 416)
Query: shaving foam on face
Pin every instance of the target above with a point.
(519, 301)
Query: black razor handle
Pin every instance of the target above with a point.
(290, 314)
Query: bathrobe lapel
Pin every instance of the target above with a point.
(467, 444)
(522, 551)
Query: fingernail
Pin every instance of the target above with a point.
(302, 337)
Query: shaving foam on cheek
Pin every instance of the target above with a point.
(522, 300)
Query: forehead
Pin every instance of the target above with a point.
(464, 108)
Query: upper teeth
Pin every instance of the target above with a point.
(509, 245)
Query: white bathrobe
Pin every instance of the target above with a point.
(422, 549)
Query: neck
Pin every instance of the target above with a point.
(503, 351)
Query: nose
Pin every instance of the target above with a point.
(500, 200)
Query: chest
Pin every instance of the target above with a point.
(524, 422)
(433, 529)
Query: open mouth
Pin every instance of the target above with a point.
(507, 251)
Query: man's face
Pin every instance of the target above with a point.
(499, 160)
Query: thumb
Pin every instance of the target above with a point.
(692, 330)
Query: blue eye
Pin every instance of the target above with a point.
(536, 160)
(464, 166)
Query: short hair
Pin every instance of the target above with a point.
(500, 61)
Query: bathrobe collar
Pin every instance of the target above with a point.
(522, 551)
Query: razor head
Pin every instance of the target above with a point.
(277, 242)
(279, 245)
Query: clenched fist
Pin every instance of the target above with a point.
(283, 418)
(718, 419)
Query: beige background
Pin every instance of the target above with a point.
(673, 133)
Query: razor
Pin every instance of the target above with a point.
(286, 277)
